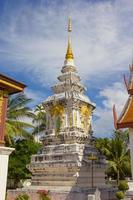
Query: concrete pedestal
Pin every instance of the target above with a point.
(4, 157)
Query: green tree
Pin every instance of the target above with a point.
(102, 144)
(115, 150)
(39, 120)
(17, 170)
(18, 114)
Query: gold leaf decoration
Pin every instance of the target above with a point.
(57, 109)
(85, 111)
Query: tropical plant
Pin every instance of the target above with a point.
(123, 186)
(115, 150)
(39, 120)
(22, 197)
(18, 115)
(17, 170)
(120, 195)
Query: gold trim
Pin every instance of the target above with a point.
(69, 54)
(11, 85)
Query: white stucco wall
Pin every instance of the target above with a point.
(4, 156)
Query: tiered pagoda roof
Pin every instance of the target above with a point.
(125, 119)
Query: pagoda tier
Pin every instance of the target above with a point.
(69, 76)
(68, 85)
(66, 165)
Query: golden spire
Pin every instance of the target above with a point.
(69, 54)
(69, 24)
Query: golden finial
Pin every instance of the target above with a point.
(69, 54)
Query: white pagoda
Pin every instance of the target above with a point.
(63, 165)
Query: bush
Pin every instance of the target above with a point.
(22, 197)
(120, 195)
(123, 186)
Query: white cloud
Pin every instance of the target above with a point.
(37, 96)
(35, 38)
(115, 94)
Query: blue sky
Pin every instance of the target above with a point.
(33, 41)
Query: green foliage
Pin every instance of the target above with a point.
(22, 197)
(115, 150)
(120, 195)
(123, 186)
(39, 120)
(17, 111)
(20, 158)
(45, 198)
(102, 144)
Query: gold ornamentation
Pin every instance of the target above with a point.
(11, 85)
(85, 116)
(85, 111)
(75, 118)
(58, 109)
(69, 54)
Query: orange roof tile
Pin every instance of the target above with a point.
(126, 118)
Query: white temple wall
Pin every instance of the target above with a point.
(66, 119)
(78, 119)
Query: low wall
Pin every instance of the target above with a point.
(12, 194)
(106, 194)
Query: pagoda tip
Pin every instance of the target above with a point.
(69, 24)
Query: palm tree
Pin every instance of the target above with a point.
(39, 120)
(116, 151)
(117, 155)
(18, 116)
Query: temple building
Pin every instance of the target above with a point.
(125, 120)
(63, 164)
